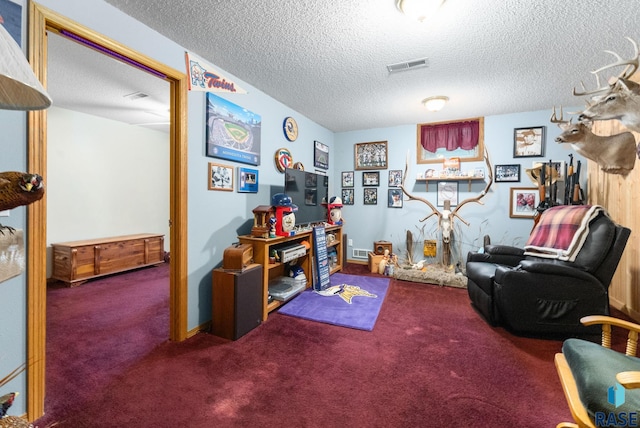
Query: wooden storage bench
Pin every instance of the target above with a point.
(78, 261)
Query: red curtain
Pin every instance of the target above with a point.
(450, 136)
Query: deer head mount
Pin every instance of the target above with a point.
(620, 98)
(446, 216)
(615, 154)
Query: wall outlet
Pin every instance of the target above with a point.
(351, 242)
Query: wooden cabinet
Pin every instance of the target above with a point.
(262, 248)
(237, 301)
(77, 261)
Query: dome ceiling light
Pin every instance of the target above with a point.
(435, 103)
(420, 10)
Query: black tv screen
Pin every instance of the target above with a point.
(307, 190)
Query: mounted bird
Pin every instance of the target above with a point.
(18, 189)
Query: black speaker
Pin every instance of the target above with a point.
(237, 301)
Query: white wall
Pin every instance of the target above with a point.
(104, 178)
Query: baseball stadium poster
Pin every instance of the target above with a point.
(233, 132)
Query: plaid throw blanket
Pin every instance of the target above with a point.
(561, 231)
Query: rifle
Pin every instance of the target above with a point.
(577, 192)
(568, 174)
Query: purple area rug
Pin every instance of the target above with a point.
(366, 295)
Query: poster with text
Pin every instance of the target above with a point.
(233, 132)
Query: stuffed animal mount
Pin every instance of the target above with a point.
(616, 154)
(618, 99)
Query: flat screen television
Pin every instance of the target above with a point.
(307, 190)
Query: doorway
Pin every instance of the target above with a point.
(43, 20)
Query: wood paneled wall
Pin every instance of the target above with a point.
(621, 197)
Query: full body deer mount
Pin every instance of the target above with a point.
(446, 216)
(615, 154)
(619, 99)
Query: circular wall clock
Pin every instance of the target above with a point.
(283, 159)
(290, 128)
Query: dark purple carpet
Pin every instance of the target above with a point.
(359, 309)
(430, 361)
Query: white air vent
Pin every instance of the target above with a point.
(408, 65)
(359, 253)
(135, 96)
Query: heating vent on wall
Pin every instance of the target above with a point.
(408, 65)
(359, 253)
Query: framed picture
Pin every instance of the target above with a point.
(528, 142)
(220, 177)
(347, 179)
(395, 177)
(371, 155)
(320, 155)
(394, 199)
(347, 196)
(447, 190)
(523, 202)
(510, 173)
(371, 196)
(247, 180)
(463, 139)
(232, 132)
(371, 178)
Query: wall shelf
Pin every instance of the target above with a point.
(458, 179)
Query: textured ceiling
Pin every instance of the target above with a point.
(327, 59)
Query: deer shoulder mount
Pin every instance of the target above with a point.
(616, 154)
(446, 216)
(619, 99)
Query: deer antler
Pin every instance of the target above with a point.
(631, 64)
(482, 194)
(560, 122)
(434, 210)
(598, 89)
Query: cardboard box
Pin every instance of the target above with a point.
(374, 261)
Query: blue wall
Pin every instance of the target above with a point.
(215, 218)
(365, 224)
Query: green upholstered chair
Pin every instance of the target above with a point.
(601, 385)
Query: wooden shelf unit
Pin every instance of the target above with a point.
(262, 248)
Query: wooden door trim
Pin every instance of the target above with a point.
(42, 20)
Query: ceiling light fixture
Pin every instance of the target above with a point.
(435, 103)
(419, 10)
(20, 89)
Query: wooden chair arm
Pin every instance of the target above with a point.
(616, 322)
(629, 380)
(607, 322)
(570, 389)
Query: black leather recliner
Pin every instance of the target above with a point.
(536, 296)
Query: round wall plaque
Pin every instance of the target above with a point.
(290, 128)
(283, 159)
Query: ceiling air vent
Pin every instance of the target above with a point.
(408, 65)
(135, 96)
